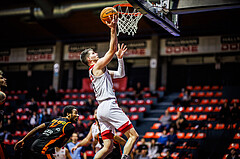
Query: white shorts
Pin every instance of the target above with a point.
(111, 117)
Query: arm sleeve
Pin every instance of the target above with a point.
(120, 73)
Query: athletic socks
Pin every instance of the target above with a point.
(124, 156)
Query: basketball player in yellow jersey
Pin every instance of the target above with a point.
(109, 115)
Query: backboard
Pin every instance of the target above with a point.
(158, 12)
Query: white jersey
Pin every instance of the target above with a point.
(95, 131)
(61, 154)
(102, 85)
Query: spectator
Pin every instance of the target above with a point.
(168, 156)
(181, 122)
(80, 129)
(138, 92)
(172, 139)
(153, 150)
(235, 113)
(51, 94)
(141, 147)
(165, 121)
(33, 107)
(233, 154)
(34, 120)
(162, 140)
(90, 105)
(143, 155)
(61, 153)
(56, 112)
(79, 150)
(225, 113)
(37, 94)
(186, 99)
(46, 116)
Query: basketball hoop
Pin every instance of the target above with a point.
(127, 19)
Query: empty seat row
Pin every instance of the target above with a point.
(191, 109)
(203, 94)
(180, 135)
(138, 102)
(207, 87)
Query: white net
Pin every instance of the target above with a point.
(127, 22)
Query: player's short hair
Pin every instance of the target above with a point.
(68, 109)
(84, 55)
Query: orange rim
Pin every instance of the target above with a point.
(126, 5)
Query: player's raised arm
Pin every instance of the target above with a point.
(102, 62)
(20, 143)
(120, 73)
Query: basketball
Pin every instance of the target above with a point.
(106, 12)
(2, 97)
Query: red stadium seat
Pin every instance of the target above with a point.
(192, 117)
(130, 89)
(58, 103)
(124, 102)
(199, 109)
(15, 97)
(219, 126)
(146, 89)
(147, 95)
(24, 117)
(180, 135)
(208, 109)
(9, 97)
(200, 94)
(149, 135)
(66, 96)
(43, 103)
(81, 117)
(6, 142)
(19, 92)
(90, 153)
(155, 125)
(75, 90)
(200, 136)
(222, 101)
(209, 94)
(202, 117)
(175, 155)
(217, 109)
(133, 109)
(180, 109)
(141, 109)
(189, 109)
(189, 88)
(209, 126)
(162, 88)
(61, 91)
(204, 102)
(234, 145)
(171, 109)
(12, 92)
(148, 102)
(132, 102)
(157, 135)
(134, 117)
(214, 101)
(83, 96)
(50, 103)
(6, 104)
(65, 103)
(82, 103)
(218, 94)
(197, 88)
(24, 133)
(90, 117)
(237, 136)
(180, 95)
(174, 117)
(74, 96)
(205, 88)
(235, 101)
(18, 133)
(75, 103)
(140, 102)
(14, 141)
(123, 95)
(189, 135)
(215, 88)
(193, 94)
(19, 110)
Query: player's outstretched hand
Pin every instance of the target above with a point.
(18, 145)
(121, 50)
(73, 149)
(113, 23)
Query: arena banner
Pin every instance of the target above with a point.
(119, 84)
(137, 48)
(25, 55)
(199, 45)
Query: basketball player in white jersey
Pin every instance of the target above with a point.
(109, 115)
